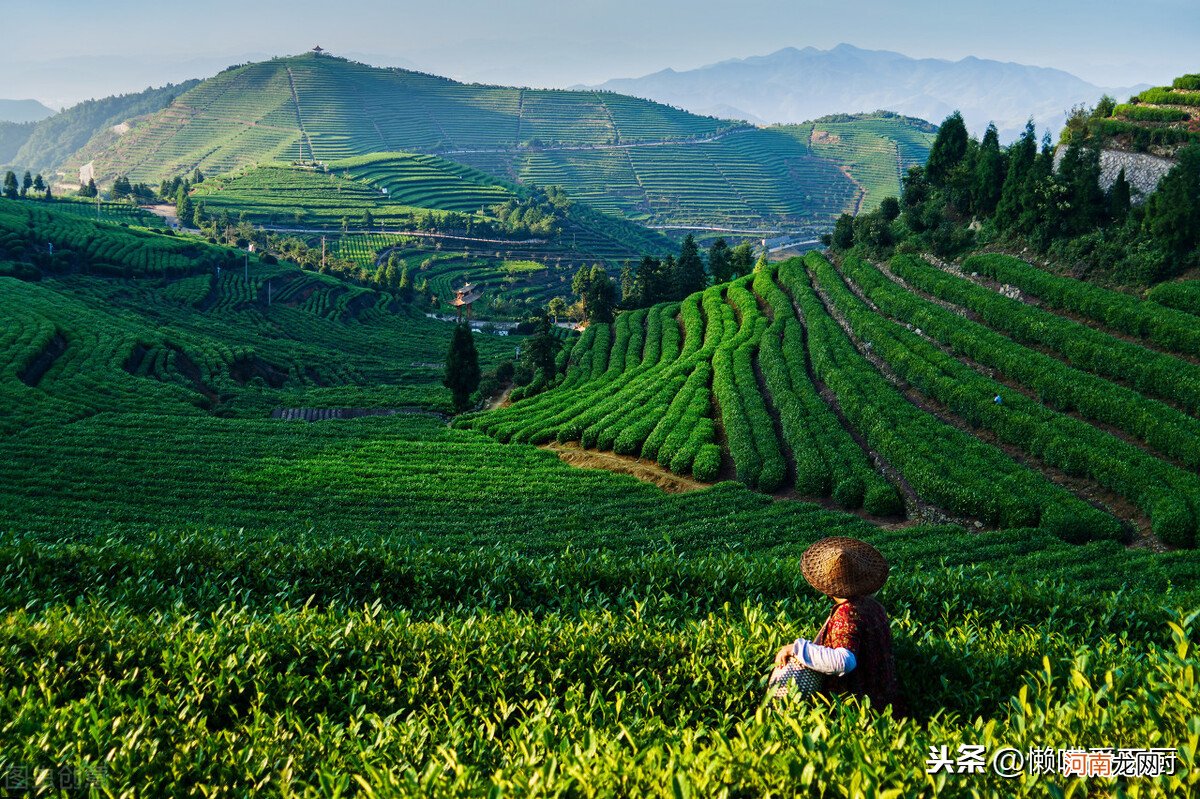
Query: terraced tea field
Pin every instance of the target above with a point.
(622, 155)
(906, 390)
(197, 596)
(409, 193)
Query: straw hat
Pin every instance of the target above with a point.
(844, 567)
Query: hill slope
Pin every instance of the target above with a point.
(842, 383)
(51, 142)
(24, 111)
(644, 160)
(793, 85)
(295, 593)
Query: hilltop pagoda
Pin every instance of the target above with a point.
(318, 50)
(463, 297)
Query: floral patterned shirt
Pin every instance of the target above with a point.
(861, 625)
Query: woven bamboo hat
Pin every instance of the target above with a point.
(844, 567)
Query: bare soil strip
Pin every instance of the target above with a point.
(648, 471)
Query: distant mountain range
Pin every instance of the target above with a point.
(793, 85)
(24, 111)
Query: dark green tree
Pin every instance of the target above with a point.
(183, 206)
(11, 191)
(843, 232)
(988, 179)
(39, 184)
(1021, 157)
(948, 149)
(1172, 217)
(462, 367)
(542, 347)
(368, 220)
(26, 183)
(720, 261)
(600, 299)
(406, 284)
(1080, 173)
(1119, 200)
(889, 209)
(741, 260)
(689, 269)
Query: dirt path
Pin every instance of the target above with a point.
(571, 453)
(500, 400)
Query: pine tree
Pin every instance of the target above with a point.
(1119, 199)
(543, 346)
(843, 232)
(629, 297)
(948, 149)
(406, 284)
(92, 190)
(26, 184)
(10, 186)
(1172, 218)
(689, 269)
(989, 174)
(462, 367)
(39, 184)
(184, 209)
(720, 261)
(601, 299)
(1021, 157)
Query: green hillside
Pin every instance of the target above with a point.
(1162, 118)
(197, 596)
(864, 385)
(49, 144)
(400, 190)
(622, 155)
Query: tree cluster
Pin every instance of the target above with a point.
(656, 280)
(975, 191)
(30, 187)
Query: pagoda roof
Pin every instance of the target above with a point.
(464, 298)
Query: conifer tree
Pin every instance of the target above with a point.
(462, 367)
(26, 184)
(1021, 156)
(10, 186)
(989, 174)
(689, 269)
(948, 149)
(543, 346)
(1119, 199)
(720, 261)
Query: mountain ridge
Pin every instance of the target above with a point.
(793, 85)
(21, 111)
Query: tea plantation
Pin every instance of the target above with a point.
(196, 598)
(626, 156)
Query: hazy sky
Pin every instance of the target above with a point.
(61, 51)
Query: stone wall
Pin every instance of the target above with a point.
(1141, 170)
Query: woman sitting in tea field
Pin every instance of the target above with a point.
(852, 654)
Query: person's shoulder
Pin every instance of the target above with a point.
(864, 606)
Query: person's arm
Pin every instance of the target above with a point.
(827, 660)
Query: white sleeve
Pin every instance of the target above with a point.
(824, 659)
